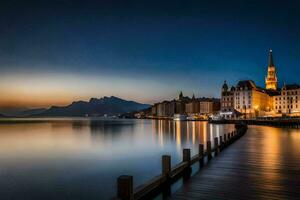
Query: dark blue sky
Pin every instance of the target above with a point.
(155, 49)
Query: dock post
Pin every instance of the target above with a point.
(201, 155)
(225, 139)
(166, 165)
(216, 144)
(125, 187)
(221, 143)
(187, 158)
(187, 155)
(208, 150)
(166, 170)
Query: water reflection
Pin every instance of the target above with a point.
(268, 159)
(85, 156)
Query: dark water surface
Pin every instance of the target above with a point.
(81, 158)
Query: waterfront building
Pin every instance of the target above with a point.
(192, 107)
(210, 106)
(164, 109)
(167, 109)
(227, 101)
(287, 102)
(185, 106)
(251, 100)
(246, 99)
(154, 110)
(161, 108)
(181, 103)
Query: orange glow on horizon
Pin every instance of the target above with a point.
(45, 90)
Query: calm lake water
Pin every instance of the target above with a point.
(82, 158)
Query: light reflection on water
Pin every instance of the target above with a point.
(81, 158)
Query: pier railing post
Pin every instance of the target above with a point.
(166, 171)
(221, 143)
(186, 155)
(188, 169)
(166, 165)
(216, 144)
(201, 155)
(208, 150)
(125, 187)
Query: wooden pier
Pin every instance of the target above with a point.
(261, 165)
(162, 183)
(277, 122)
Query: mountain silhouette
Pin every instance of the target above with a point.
(30, 112)
(95, 107)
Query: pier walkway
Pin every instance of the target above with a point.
(263, 164)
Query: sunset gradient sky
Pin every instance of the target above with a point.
(56, 52)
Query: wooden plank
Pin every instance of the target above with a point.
(248, 169)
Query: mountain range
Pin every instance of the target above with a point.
(94, 107)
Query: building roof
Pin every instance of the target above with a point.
(291, 86)
(225, 86)
(206, 99)
(272, 92)
(249, 84)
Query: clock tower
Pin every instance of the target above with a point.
(271, 78)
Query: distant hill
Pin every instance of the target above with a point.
(31, 112)
(21, 112)
(95, 107)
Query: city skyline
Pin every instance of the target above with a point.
(53, 53)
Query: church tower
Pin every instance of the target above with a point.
(271, 78)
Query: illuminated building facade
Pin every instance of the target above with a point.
(288, 101)
(186, 106)
(251, 100)
(193, 106)
(209, 107)
(227, 101)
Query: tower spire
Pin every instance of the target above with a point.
(180, 95)
(271, 63)
(271, 78)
